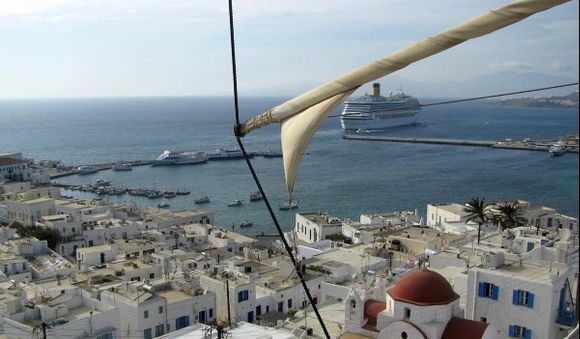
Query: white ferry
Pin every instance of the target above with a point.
(558, 148)
(87, 169)
(180, 158)
(375, 112)
(226, 154)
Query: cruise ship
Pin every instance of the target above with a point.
(375, 112)
(180, 158)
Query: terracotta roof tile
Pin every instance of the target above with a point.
(458, 328)
(423, 287)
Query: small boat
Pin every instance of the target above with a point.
(246, 223)
(153, 195)
(169, 194)
(87, 169)
(271, 154)
(288, 206)
(122, 167)
(182, 192)
(115, 191)
(202, 200)
(102, 182)
(256, 196)
(235, 203)
(163, 205)
(558, 149)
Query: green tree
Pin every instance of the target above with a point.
(51, 236)
(511, 215)
(478, 211)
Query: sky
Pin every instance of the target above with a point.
(104, 48)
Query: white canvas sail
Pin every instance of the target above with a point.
(301, 116)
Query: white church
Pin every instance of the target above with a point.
(422, 305)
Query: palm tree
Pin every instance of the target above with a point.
(478, 211)
(510, 215)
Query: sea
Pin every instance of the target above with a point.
(345, 178)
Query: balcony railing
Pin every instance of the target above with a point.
(565, 318)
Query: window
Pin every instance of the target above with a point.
(145, 314)
(483, 319)
(108, 335)
(488, 290)
(289, 303)
(243, 296)
(151, 275)
(147, 334)
(517, 331)
(160, 309)
(407, 313)
(523, 298)
(159, 330)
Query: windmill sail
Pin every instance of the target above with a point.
(301, 116)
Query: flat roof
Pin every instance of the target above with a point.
(529, 272)
(321, 218)
(423, 233)
(5, 161)
(451, 207)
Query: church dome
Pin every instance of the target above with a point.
(423, 287)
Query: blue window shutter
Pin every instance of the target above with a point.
(530, 300)
(512, 331)
(528, 334)
(515, 297)
(481, 289)
(495, 292)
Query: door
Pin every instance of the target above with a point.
(251, 316)
(281, 307)
(201, 316)
(258, 310)
(181, 322)
(102, 258)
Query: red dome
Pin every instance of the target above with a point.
(423, 287)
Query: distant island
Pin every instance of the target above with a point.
(566, 101)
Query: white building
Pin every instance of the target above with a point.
(67, 310)
(15, 168)
(313, 227)
(437, 214)
(370, 226)
(241, 293)
(521, 299)
(154, 309)
(26, 211)
(96, 255)
(162, 218)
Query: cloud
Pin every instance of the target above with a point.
(510, 65)
(560, 66)
(15, 12)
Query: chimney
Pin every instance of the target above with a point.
(376, 89)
